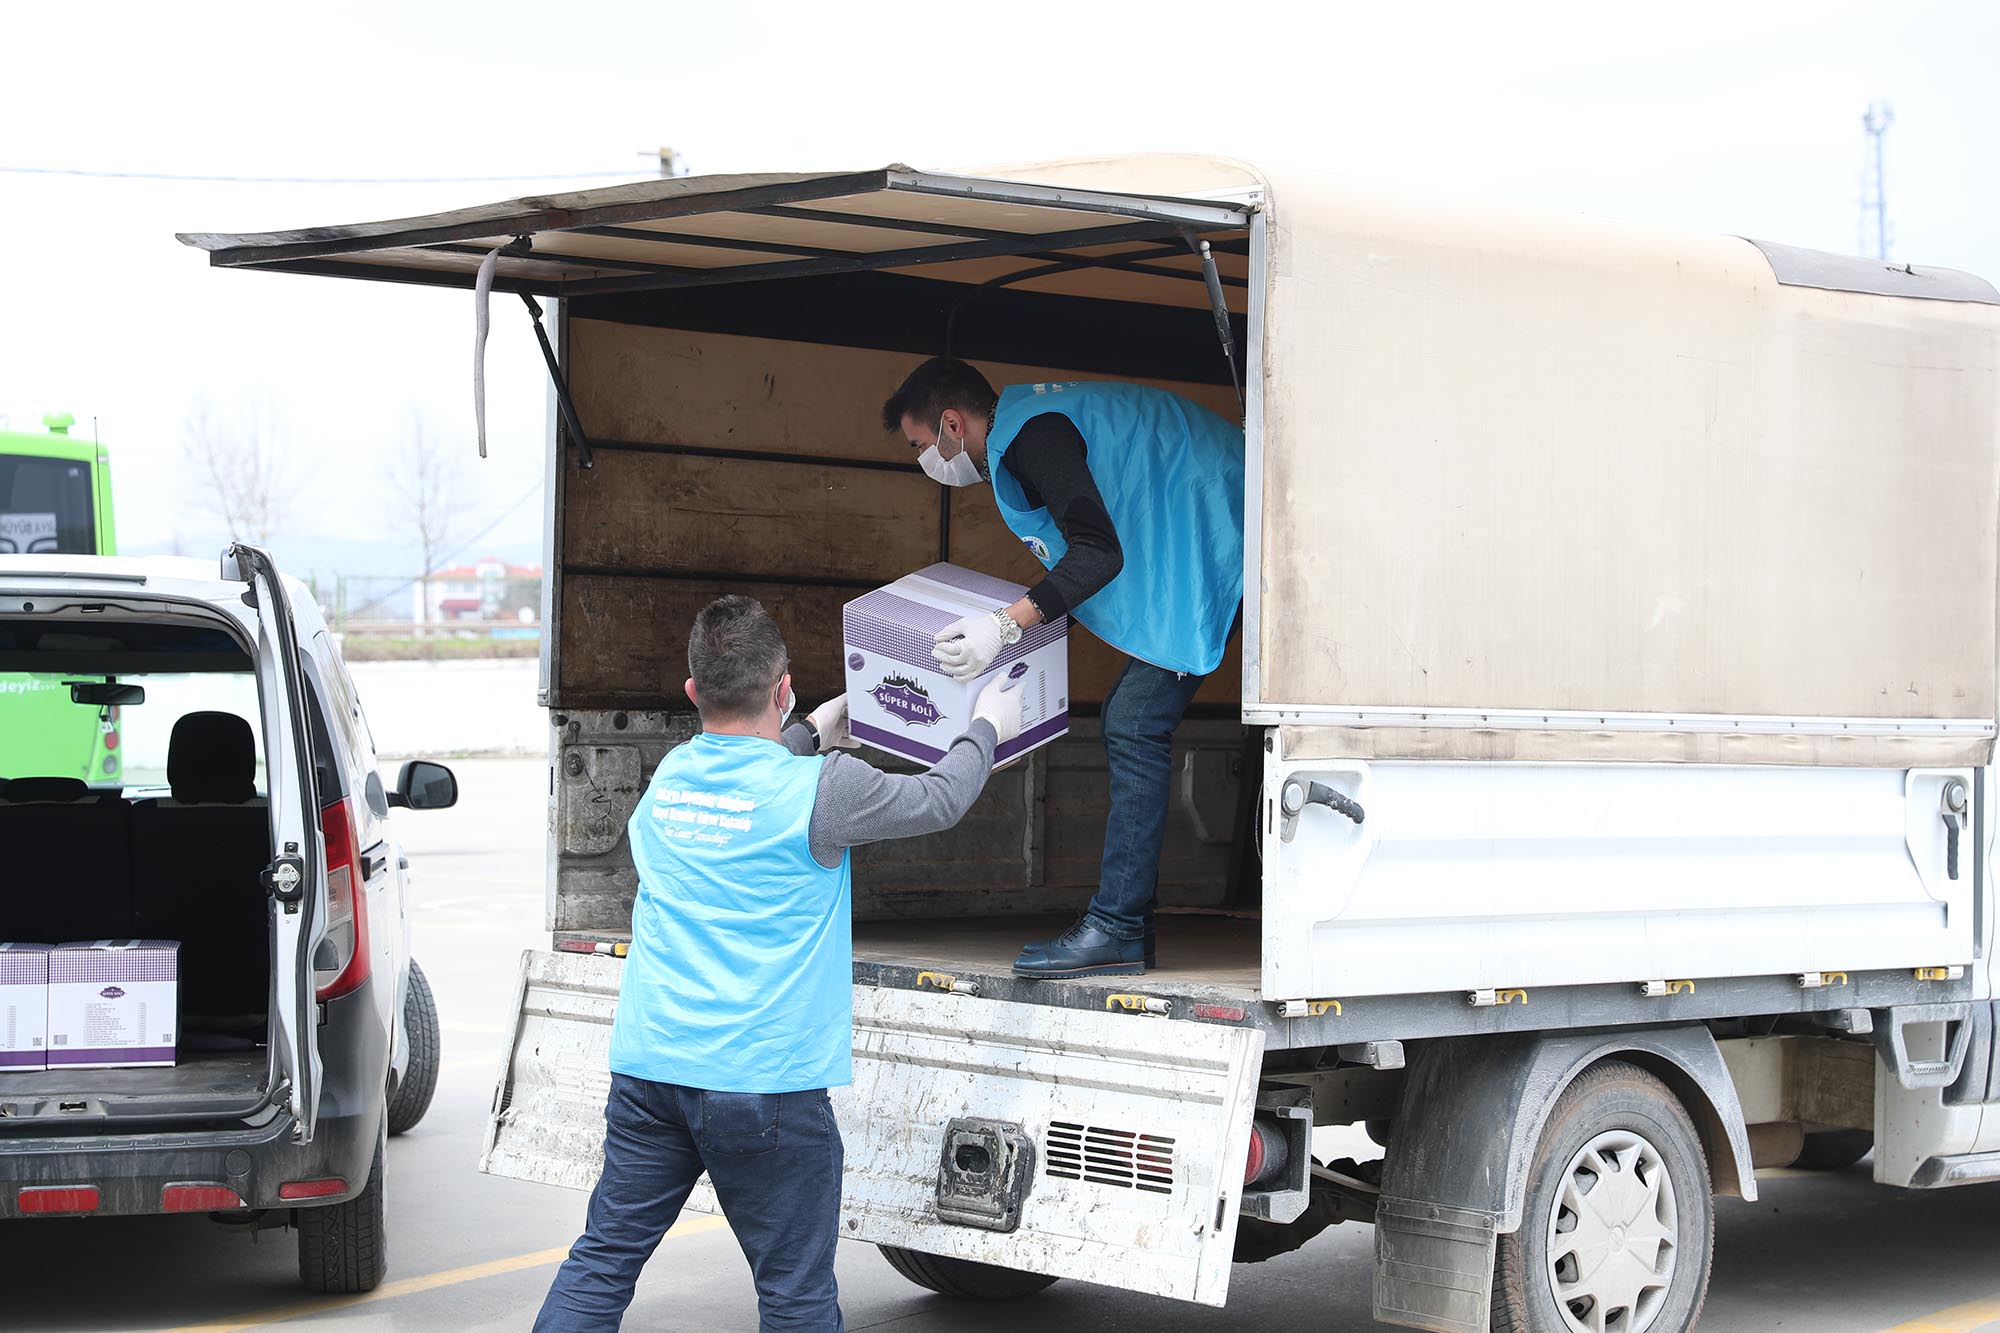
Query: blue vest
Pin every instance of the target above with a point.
(741, 971)
(1171, 474)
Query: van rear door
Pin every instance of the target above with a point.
(294, 880)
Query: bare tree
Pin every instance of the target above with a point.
(431, 480)
(236, 474)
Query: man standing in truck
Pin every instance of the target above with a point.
(735, 1006)
(1132, 499)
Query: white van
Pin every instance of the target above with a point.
(247, 825)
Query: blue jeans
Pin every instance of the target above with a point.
(775, 1161)
(1140, 715)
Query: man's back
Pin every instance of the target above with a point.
(741, 964)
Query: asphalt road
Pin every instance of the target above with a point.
(1831, 1254)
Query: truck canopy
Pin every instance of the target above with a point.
(1521, 486)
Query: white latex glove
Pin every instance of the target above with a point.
(1000, 704)
(968, 645)
(830, 720)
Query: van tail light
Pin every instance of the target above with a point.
(57, 1199)
(346, 934)
(199, 1199)
(312, 1189)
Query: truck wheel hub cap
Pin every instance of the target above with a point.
(1612, 1236)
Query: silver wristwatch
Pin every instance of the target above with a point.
(1010, 628)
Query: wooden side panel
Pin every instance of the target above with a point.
(668, 386)
(690, 528)
(728, 516)
(635, 643)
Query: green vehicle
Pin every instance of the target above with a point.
(55, 499)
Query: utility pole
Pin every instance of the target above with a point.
(1874, 198)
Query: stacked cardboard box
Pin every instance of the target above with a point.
(113, 1004)
(24, 1006)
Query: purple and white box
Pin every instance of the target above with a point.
(113, 1004)
(24, 1006)
(897, 698)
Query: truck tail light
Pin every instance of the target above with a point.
(198, 1199)
(1268, 1154)
(57, 1199)
(346, 935)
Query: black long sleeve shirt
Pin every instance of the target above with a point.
(1050, 459)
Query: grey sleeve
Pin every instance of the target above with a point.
(858, 803)
(798, 738)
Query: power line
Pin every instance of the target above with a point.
(311, 180)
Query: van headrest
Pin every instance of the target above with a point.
(47, 789)
(212, 759)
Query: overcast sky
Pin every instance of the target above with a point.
(1740, 118)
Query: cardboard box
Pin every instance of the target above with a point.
(897, 698)
(113, 1004)
(24, 1006)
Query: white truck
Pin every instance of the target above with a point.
(1598, 806)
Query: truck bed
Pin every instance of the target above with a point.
(1199, 952)
(1208, 970)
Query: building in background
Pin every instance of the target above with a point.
(489, 592)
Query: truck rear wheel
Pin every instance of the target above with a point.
(962, 1279)
(341, 1248)
(420, 1073)
(1619, 1221)
(1834, 1149)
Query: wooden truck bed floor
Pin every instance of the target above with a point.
(1199, 953)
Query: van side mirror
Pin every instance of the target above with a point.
(423, 785)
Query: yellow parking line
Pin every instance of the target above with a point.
(1958, 1319)
(409, 1286)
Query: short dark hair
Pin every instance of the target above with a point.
(736, 655)
(939, 383)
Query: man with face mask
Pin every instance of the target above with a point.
(1132, 499)
(735, 1005)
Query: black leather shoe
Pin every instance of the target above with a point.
(1152, 961)
(1082, 951)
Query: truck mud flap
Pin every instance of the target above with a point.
(1106, 1147)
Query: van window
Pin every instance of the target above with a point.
(146, 730)
(45, 507)
(346, 701)
(45, 734)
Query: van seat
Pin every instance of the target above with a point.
(65, 863)
(196, 862)
(47, 789)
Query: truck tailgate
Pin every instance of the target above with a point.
(1126, 1133)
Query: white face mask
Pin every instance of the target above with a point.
(958, 470)
(785, 710)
